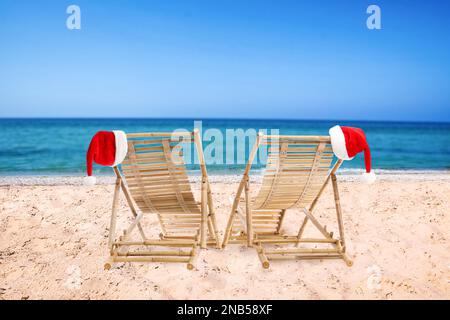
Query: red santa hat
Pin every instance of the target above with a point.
(107, 148)
(348, 142)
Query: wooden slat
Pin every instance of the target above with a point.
(274, 180)
(160, 186)
(146, 199)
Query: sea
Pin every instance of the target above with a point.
(47, 147)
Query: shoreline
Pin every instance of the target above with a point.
(71, 180)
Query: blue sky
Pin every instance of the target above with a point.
(238, 59)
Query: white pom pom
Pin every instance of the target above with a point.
(369, 177)
(89, 181)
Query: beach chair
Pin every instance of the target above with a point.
(154, 181)
(298, 170)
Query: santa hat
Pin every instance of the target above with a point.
(348, 142)
(107, 148)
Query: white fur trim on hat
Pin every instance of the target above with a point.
(338, 143)
(121, 146)
(369, 177)
(89, 181)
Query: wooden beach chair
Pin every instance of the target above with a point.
(154, 182)
(297, 171)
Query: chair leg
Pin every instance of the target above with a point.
(338, 209)
(204, 219)
(228, 229)
(280, 222)
(193, 259)
(301, 230)
(109, 263)
(237, 198)
(212, 223)
(262, 256)
(248, 215)
(133, 225)
(112, 225)
(344, 256)
(132, 208)
(317, 224)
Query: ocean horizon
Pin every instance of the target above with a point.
(57, 146)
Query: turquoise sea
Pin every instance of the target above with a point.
(58, 146)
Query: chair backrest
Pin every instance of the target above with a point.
(156, 176)
(296, 170)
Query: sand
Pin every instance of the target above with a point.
(53, 236)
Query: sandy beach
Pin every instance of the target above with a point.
(53, 245)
